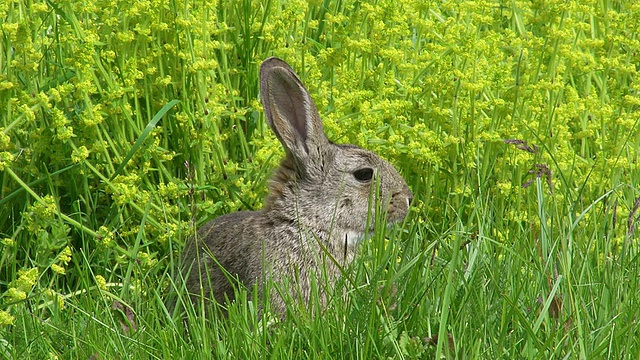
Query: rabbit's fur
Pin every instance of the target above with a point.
(314, 216)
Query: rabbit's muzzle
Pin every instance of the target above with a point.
(399, 206)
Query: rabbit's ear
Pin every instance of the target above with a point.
(289, 109)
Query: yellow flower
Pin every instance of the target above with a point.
(79, 154)
(147, 260)
(26, 280)
(5, 140)
(65, 133)
(105, 237)
(65, 255)
(101, 282)
(505, 187)
(6, 158)
(6, 318)
(15, 295)
(58, 269)
(6, 85)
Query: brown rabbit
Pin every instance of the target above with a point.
(314, 216)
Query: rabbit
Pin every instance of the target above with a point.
(314, 216)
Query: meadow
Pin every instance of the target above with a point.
(126, 124)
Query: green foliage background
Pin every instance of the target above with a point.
(103, 176)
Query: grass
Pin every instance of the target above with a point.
(126, 125)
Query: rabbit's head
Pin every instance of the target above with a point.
(320, 185)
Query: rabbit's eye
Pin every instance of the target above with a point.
(364, 175)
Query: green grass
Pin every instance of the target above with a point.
(125, 125)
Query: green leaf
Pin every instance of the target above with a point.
(143, 136)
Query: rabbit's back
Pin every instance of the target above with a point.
(250, 246)
(229, 242)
